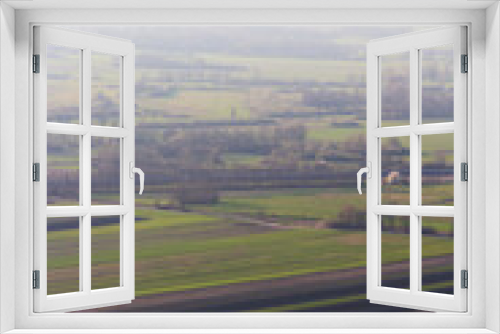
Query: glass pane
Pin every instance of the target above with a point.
(106, 89)
(63, 169)
(63, 84)
(437, 254)
(395, 89)
(63, 255)
(437, 84)
(105, 170)
(396, 251)
(105, 252)
(395, 170)
(437, 169)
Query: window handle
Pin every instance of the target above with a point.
(368, 171)
(135, 170)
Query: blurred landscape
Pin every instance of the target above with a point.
(250, 138)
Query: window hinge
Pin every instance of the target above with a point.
(36, 172)
(465, 279)
(464, 171)
(36, 63)
(465, 64)
(36, 279)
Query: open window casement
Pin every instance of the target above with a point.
(84, 150)
(392, 62)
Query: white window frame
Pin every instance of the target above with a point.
(86, 44)
(483, 311)
(412, 44)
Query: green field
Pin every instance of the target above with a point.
(240, 138)
(182, 251)
(292, 204)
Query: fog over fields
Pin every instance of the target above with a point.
(250, 138)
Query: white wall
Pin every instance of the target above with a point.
(492, 165)
(23, 158)
(7, 160)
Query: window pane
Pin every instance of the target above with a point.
(63, 169)
(396, 251)
(105, 252)
(437, 84)
(395, 86)
(437, 254)
(63, 255)
(395, 170)
(63, 84)
(105, 170)
(106, 89)
(437, 169)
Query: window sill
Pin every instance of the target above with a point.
(250, 331)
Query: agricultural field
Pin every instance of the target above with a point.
(250, 142)
(189, 251)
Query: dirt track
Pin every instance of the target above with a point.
(252, 296)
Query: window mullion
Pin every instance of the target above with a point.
(82, 240)
(414, 171)
(86, 161)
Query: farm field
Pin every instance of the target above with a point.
(250, 142)
(189, 251)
